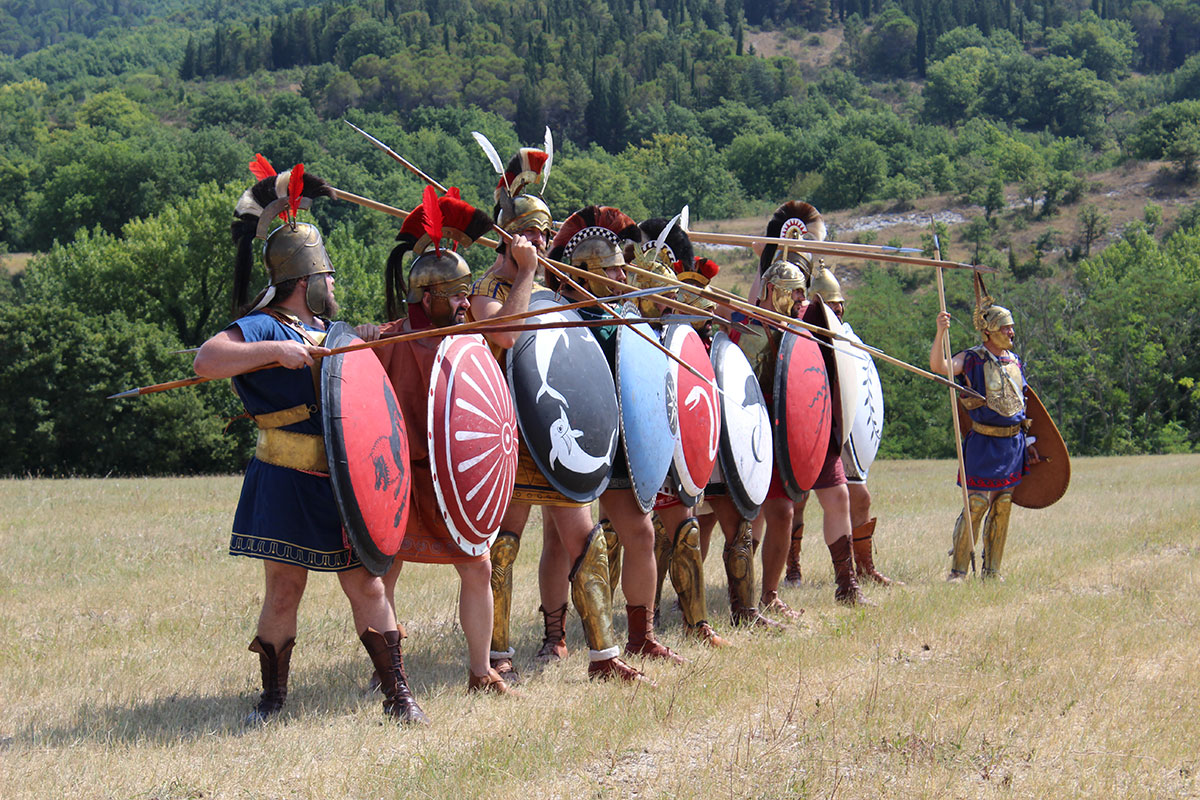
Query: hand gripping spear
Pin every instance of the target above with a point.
(946, 351)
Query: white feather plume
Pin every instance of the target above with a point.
(685, 219)
(548, 146)
(490, 151)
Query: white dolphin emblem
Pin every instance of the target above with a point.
(543, 350)
(565, 451)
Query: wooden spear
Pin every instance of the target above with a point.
(478, 326)
(849, 250)
(958, 445)
(549, 265)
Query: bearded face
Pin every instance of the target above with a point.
(1001, 339)
(445, 311)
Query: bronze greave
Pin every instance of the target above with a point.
(592, 598)
(995, 533)
(964, 541)
(739, 571)
(504, 553)
(612, 546)
(664, 546)
(687, 573)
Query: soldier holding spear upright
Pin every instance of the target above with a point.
(994, 451)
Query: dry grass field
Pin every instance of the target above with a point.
(124, 671)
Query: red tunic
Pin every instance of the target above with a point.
(409, 365)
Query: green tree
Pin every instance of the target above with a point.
(855, 170)
(60, 364)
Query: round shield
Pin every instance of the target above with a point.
(646, 399)
(745, 453)
(803, 413)
(367, 447)
(566, 402)
(472, 441)
(699, 412)
(840, 360)
(866, 431)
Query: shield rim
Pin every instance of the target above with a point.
(643, 490)
(792, 485)
(684, 487)
(849, 450)
(462, 341)
(372, 558)
(733, 480)
(555, 484)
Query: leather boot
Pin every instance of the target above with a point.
(491, 683)
(503, 554)
(794, 577)
(847, 592)
(554, 640)
(664, 546)
(739, 572)
(995, 534)
(592, 599)
(641, 637)
(612, 549)
(398, 701)
(864, 565)
(274, 667)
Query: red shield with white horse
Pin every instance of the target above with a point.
(699, 412)
(472, 441)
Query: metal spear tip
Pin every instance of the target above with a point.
(126, 393)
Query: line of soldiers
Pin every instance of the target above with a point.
(287, 515)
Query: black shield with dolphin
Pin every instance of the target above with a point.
(746, 453)
(366, 444)
(566, 402)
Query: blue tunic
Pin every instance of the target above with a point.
(285, 514)
(992, 463)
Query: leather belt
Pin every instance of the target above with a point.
(998, 431)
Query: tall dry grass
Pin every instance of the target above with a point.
(124, 670)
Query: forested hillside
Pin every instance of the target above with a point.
(125, 129)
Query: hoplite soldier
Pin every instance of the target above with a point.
(676, 528)
(436, 296)
(786, 265)
(595, 239)
(574, 559)
(287, 515)
(857, 453)
(717, 505)
(994, 449)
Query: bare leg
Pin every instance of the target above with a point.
(475, 611)
(639, 572)
(707, 523)
(284, 587)
(860, 504)
(555, 563)
(368, 601)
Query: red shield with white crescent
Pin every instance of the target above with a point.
(472, 441)
(367, 447)
(699, 411)
(802, 412)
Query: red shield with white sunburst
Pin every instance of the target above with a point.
(472, 440)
